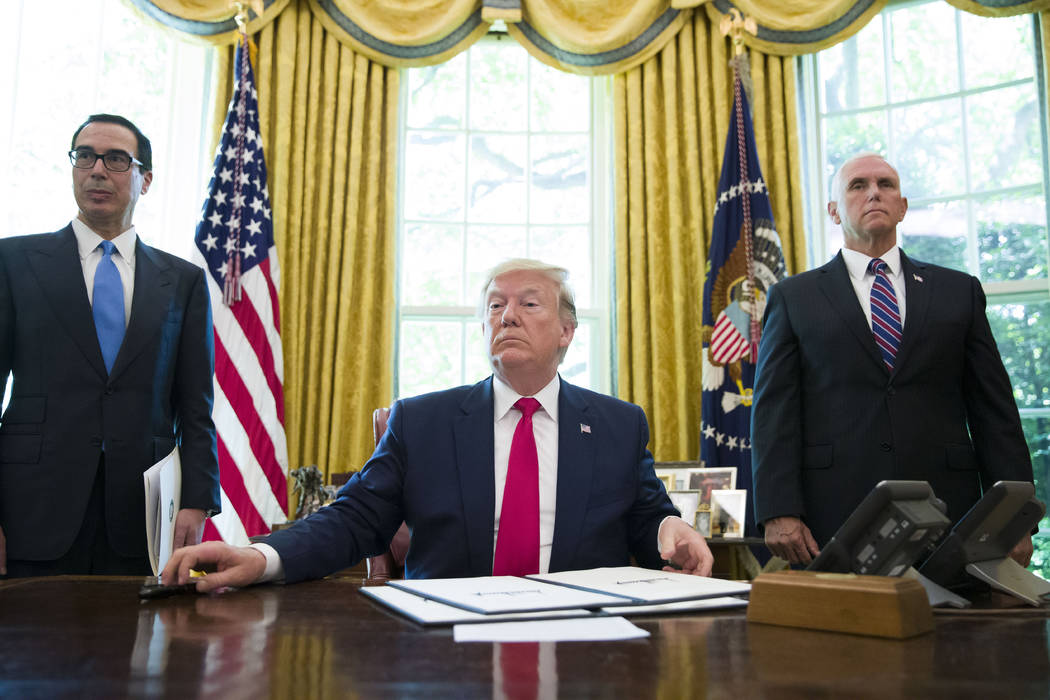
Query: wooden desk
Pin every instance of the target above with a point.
(91, 637)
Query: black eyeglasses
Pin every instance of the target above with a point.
(115, 161)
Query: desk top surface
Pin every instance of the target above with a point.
(91, 637)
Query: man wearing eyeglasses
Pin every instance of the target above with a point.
(109, 343)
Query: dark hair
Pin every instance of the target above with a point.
(145, 150)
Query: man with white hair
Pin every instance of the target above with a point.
(521, 473)
(876, 366)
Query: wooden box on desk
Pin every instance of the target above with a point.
(881, 606)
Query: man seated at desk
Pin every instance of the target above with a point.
(521, 473)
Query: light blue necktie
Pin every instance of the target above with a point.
(107, 305)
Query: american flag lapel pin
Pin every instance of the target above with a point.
(584, 428)
(917, 278)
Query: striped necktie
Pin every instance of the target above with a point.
(885, 314)
(107, 305)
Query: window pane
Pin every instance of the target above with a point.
(437, 95)
(430, 356)
(434, 175)
(924, 52)
(559, 180)
(570, 247)
(852, 72)
(430, 265)
(557, 102)
(1012, 57)
(497, 178)
(936, 233)
(486, 247)
(1037, 432)
(576, 366)
(846, 136)
(1022, 332)
(1011, 235)
(1005, 145)
(926, 141)
(498, 87)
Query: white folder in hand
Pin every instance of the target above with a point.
(163, 483)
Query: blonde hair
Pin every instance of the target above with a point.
(558, 275)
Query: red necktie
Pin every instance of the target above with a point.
(518, 541)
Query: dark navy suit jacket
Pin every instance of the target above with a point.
(829, 421)
(64, 405)
(434, 469)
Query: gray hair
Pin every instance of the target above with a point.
(558, 275)
(837, 184)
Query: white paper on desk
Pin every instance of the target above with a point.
(595, 629)
(431, 612)
(504, 594)
(163, 484)
(645, 585)
(702, 605)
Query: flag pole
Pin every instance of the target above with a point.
(735, 24)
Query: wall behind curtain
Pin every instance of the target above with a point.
(329, 117)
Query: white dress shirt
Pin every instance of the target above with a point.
(123, 258)
(545, 430)
(857, 265)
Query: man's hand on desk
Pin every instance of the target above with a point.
(684, 547)
(788, 538)
(227, 566)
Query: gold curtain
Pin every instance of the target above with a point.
(329, 119)
(672, 117)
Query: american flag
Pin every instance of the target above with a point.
(235, 244)
(745, 258)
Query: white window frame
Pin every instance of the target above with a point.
(600, 312)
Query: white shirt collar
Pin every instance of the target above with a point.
(857, 263)
(88, 240)
(504, 397)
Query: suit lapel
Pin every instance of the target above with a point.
(475, 460)
(837, 287)
(153, 290)
(576, 454)
(56, 263)
(918, 288)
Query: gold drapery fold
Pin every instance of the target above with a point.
(672, 116)
(329, 120)
(596, 38)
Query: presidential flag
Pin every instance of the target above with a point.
(234, 243)
(745, 258)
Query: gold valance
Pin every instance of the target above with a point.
(580, 36)
(806, 26)
(211, 21)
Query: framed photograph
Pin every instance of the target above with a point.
(668, 481)
(703, 520)
(686, 502)
(728, 508)
(711, 479)
(677, 472)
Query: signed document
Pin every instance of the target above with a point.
(642, 586)
(506, 594)
(428, 612)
